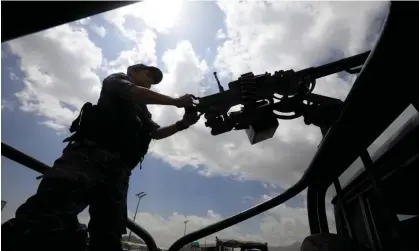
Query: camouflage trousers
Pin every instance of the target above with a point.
(83, 176)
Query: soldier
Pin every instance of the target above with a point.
(109, 140)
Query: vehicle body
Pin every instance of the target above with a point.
(397, 163)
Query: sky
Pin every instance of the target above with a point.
(47, 77)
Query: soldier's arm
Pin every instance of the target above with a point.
(135, 94)
(147, 96)
(167, 131)
(164, 132)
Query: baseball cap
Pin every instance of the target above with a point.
(156, 73)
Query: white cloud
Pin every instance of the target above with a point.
(84, 21)
(281, 35)
(100, 30)
(220, 34)
(143, 52)
(9, 105)
(246, 199)
(184, 70)
(59, 66)
(13, 76)
(152, 13)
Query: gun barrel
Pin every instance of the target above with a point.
(344, 64)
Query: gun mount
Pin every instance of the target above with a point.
(265, 98)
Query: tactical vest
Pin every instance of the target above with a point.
(123, 132)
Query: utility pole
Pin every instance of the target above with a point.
(184, 232)
(139, 195)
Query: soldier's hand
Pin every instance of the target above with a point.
(190, 118)
(185, 101)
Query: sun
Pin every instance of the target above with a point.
(158, 14)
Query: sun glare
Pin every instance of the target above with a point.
(159, 14)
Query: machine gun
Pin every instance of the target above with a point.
(265, 98)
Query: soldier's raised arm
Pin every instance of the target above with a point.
(117, 84)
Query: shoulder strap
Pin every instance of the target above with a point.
(76, 123)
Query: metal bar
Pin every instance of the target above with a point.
(23, 159)
(343, 207)
(340, 227)
(278, 200)
(366, 220)
(336, 66)
(387, 213)
(143, 234)
(312, 204)
(354, 71)
(316, 198)
(376, 236)
(48, 15)
(316, 210)
(313, 220)
(31, 163)
(321, 210)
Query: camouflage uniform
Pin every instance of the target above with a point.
(85, 175)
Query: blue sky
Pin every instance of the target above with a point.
(193, 175)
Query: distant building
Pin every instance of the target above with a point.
(138, 247)
(208, 247)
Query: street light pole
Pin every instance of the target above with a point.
(184, 232)
(3, 204)
(139, 195)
